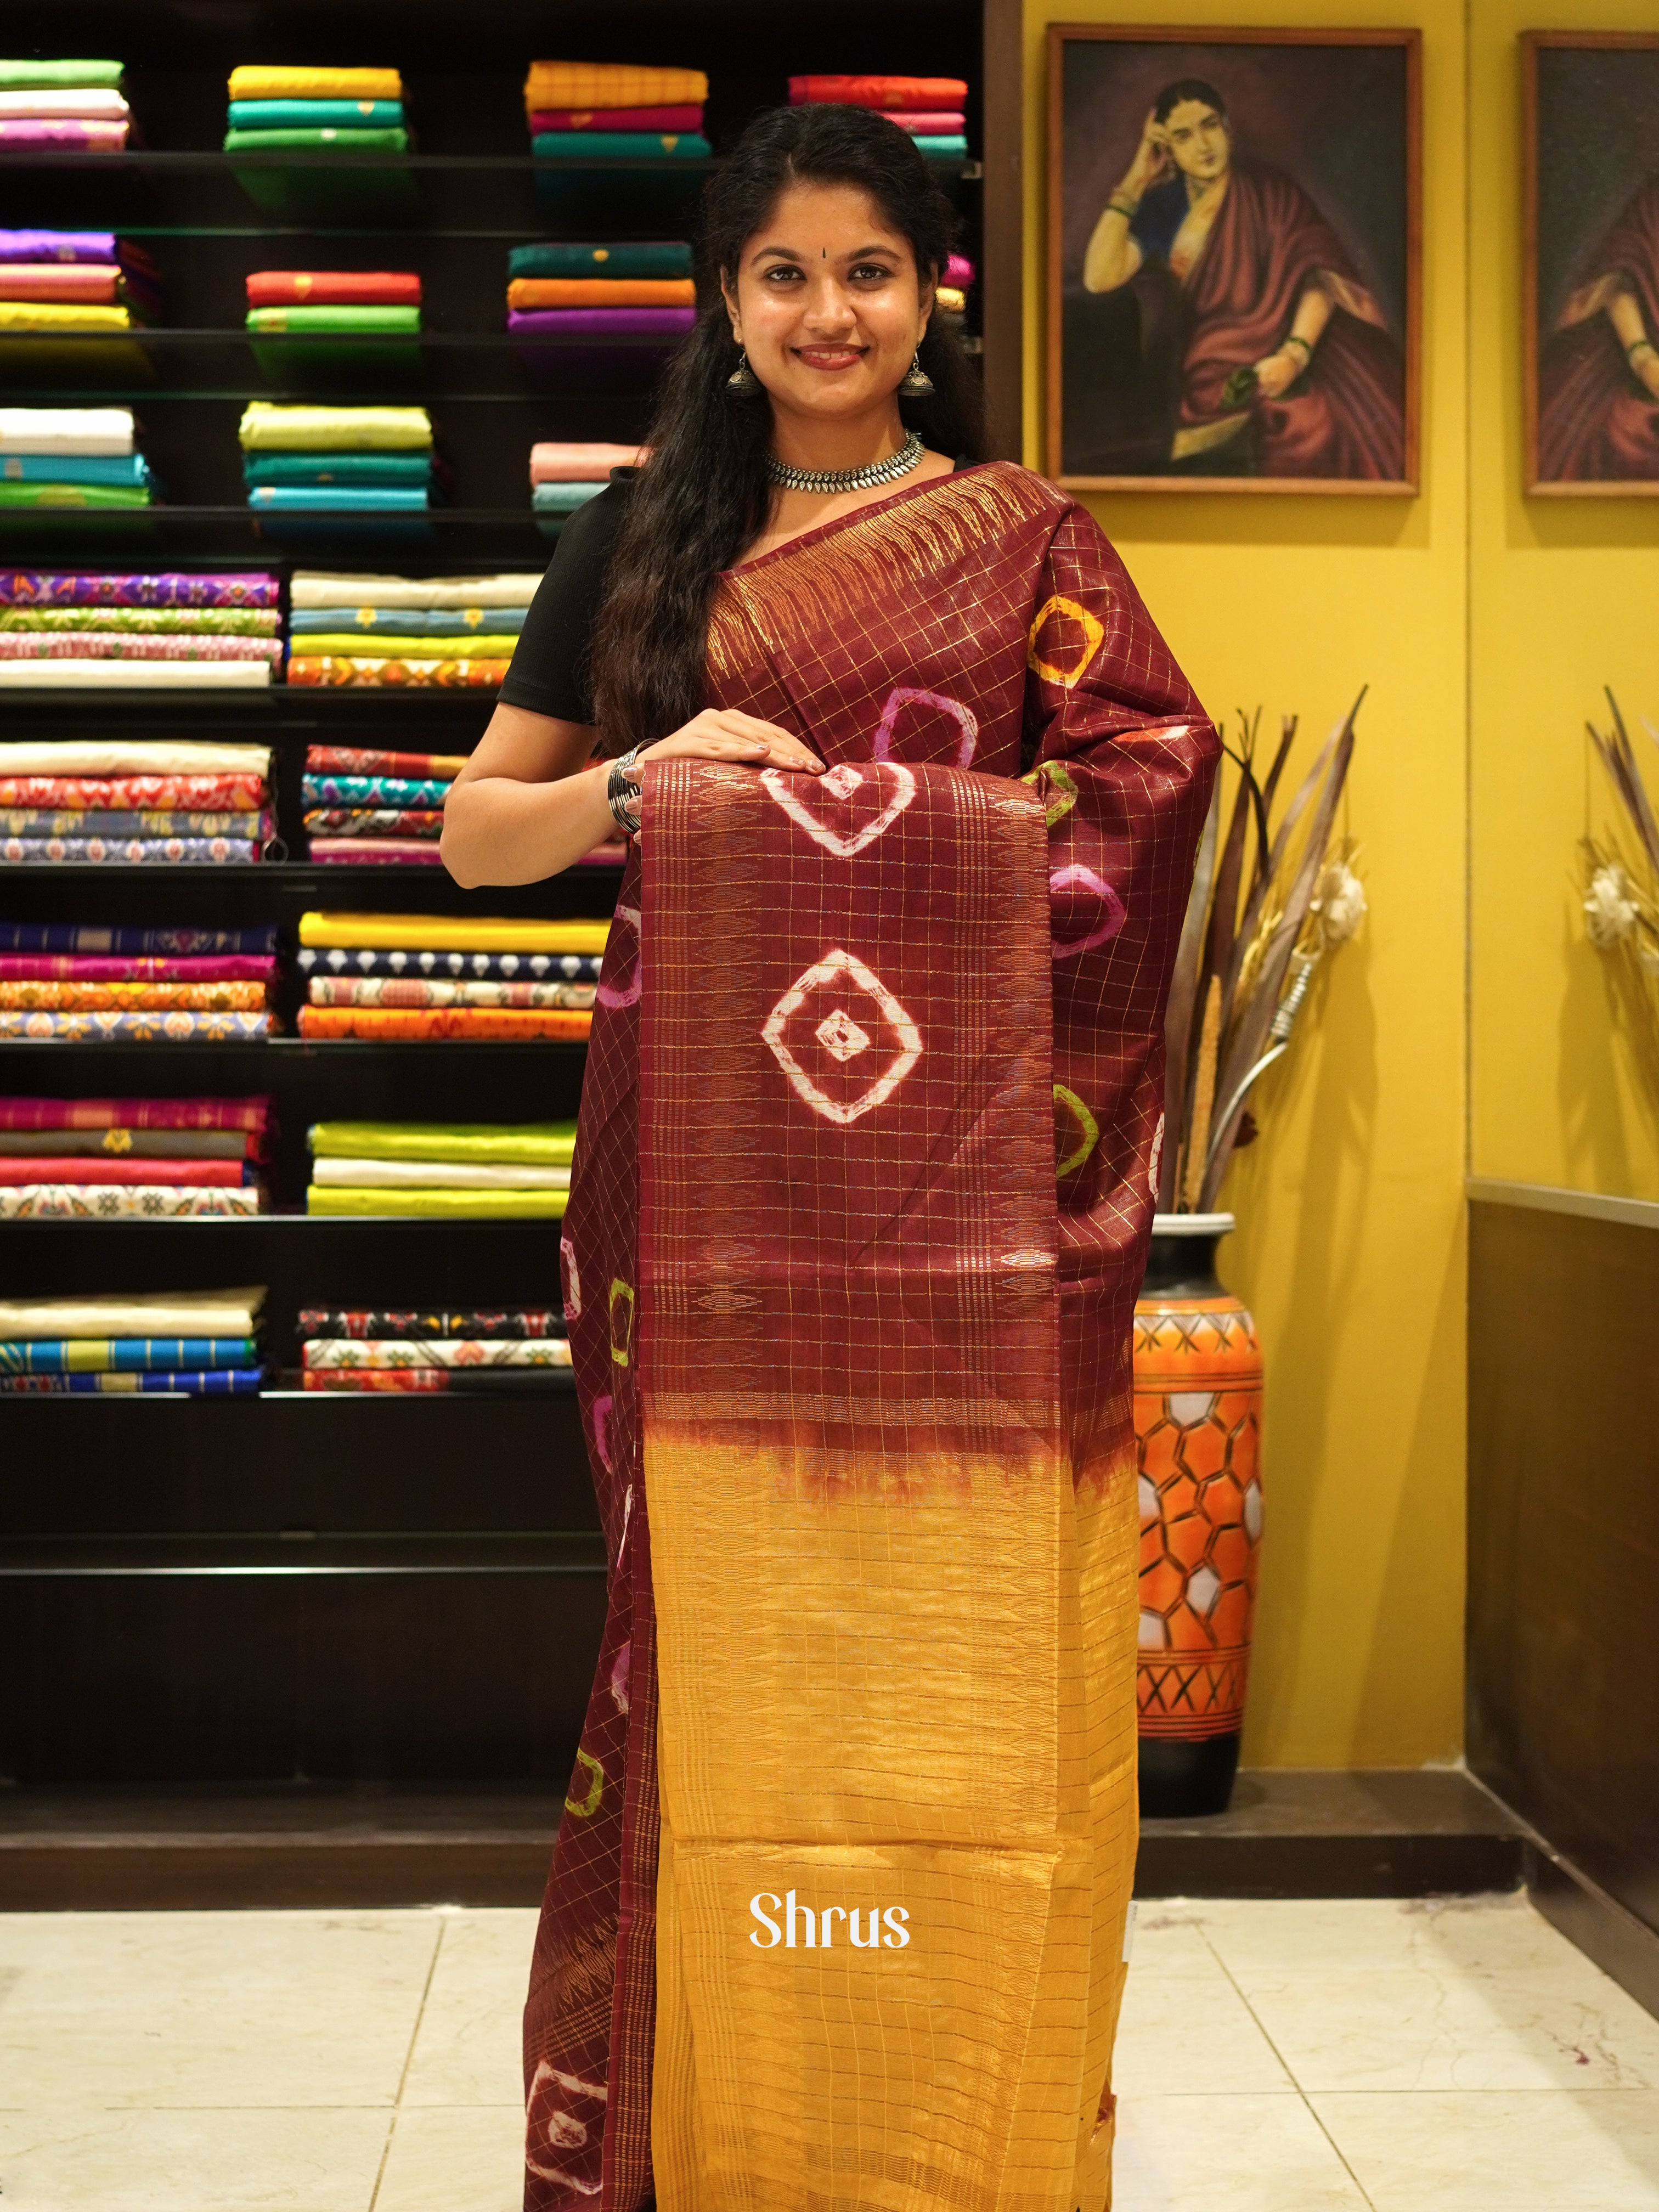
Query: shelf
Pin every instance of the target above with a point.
(168, 334)
(138, 160)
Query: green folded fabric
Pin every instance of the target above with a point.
(302, 320)
(645, 257)
(271, 427)
(580, 146)
(315, 114)
(73, 495)
(491, 1204)
(547, 1144)
(564, 498)
(48, 76)
(344, 142)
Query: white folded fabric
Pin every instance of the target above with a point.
(65, 429)
(314, 588)
(137, 1313)
(334, 1352)
(143, 675)
(436, 1175)
(73, 101)
(130, 756)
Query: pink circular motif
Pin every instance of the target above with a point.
(906, 695)
(601, 1431)
(1086, 879)
(608, 994)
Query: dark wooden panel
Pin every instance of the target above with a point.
(1002, 292)
(1563, 1717)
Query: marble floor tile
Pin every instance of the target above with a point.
(1228, 2154)
(1360, 1935)
(1190, 2032)
(197, 2161)
(1169, 1938)
(455, 2158)
(1548, 2151)
(233, 2008)
(468, 2048)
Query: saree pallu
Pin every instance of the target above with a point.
(134, 1028)
(851, 1332)
(334, 670)
(21, 588)
(127, 852)
(76, 1201)
(184, 794)
(150, 998)
(379, 1320)
(434, 1025)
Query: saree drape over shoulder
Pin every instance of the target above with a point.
(858, 1217)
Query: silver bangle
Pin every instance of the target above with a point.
(618, 791)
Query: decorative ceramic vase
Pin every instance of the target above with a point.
(1198, 1426)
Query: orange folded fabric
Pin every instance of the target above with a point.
(336, 668)
(612, 84)
(602, 292)
(467, 1024)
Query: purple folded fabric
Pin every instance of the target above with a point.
(63, 130)
(28, 588)
(600, 322)
(83, 246)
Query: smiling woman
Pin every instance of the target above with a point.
(917, 788)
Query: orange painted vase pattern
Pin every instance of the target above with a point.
(1198, 1424)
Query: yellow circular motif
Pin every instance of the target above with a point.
(1093, 631)
(584, 1808)
(621, 1294)
(1088, 1129)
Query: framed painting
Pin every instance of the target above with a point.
(1591, 333)
(1234, 264)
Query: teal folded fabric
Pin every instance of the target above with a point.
(342, 499)
(563, 498)
(644, 256)
(311, 141)
(322, 469)
(73, 468)
(406, 621)
(579, 146)
(942, 149)
(315, 114)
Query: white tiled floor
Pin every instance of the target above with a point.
(1449, 2056)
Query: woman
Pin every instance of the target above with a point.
(836, 1911)
(1598, 381)
(1287, 366)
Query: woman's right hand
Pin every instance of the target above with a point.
(1151, 163)
(721, 733)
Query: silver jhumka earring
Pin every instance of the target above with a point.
(916, 380)
(743, 379)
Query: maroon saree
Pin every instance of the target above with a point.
(1596, 423)
(859, 1213)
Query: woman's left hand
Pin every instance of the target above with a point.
(1278, 372)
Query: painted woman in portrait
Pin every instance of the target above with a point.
(1598, 377)
(1282, 362)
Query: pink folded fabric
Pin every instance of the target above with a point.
(54, 280)
(959, 271)
(616, 118)
(124, 645)
(552, 462)
(921, 124)
(356, 851)
(136, 968)
(78, 103)
(95, 137)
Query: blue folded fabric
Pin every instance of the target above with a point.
(340, 499)
(564, 498)
(225, 1382)
(407, 622)
(336, 468)
(579, 146)
(942, 149)
(75, 468)
(128, 1355)
(635, 256)
(314, 114)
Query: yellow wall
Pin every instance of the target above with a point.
(1350, 1248)
(1565, 599)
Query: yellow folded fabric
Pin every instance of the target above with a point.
(612, 84)
(37, 315)
(488, 647)
(479, 1144)
(497, 1205)
(451, 933)
(266, 428)
(254, 82)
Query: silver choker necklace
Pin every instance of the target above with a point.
(872, 473)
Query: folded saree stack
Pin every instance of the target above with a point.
(610, 300)
(195, 1344)
(210, 632)
(70, 457)
(112, 1159)
(311, 442)
(75, 280)
(360, 326)
(953, 293)
(133, 802)
(461, 978)
(510, 1352)
(422, 631)
(68, 983)
(63, 105)
(565, 476)
(615, 111)
(495, 1171)
(362, 805)
(930, 108)
(311, 110)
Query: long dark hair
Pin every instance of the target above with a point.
(705, 494)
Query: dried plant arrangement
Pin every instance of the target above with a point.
(1621, 885)
(1268, 902)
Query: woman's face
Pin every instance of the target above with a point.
(1200, 143)
(827, 303)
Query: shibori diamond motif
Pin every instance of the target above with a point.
(817, 1057)
(847, 808)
